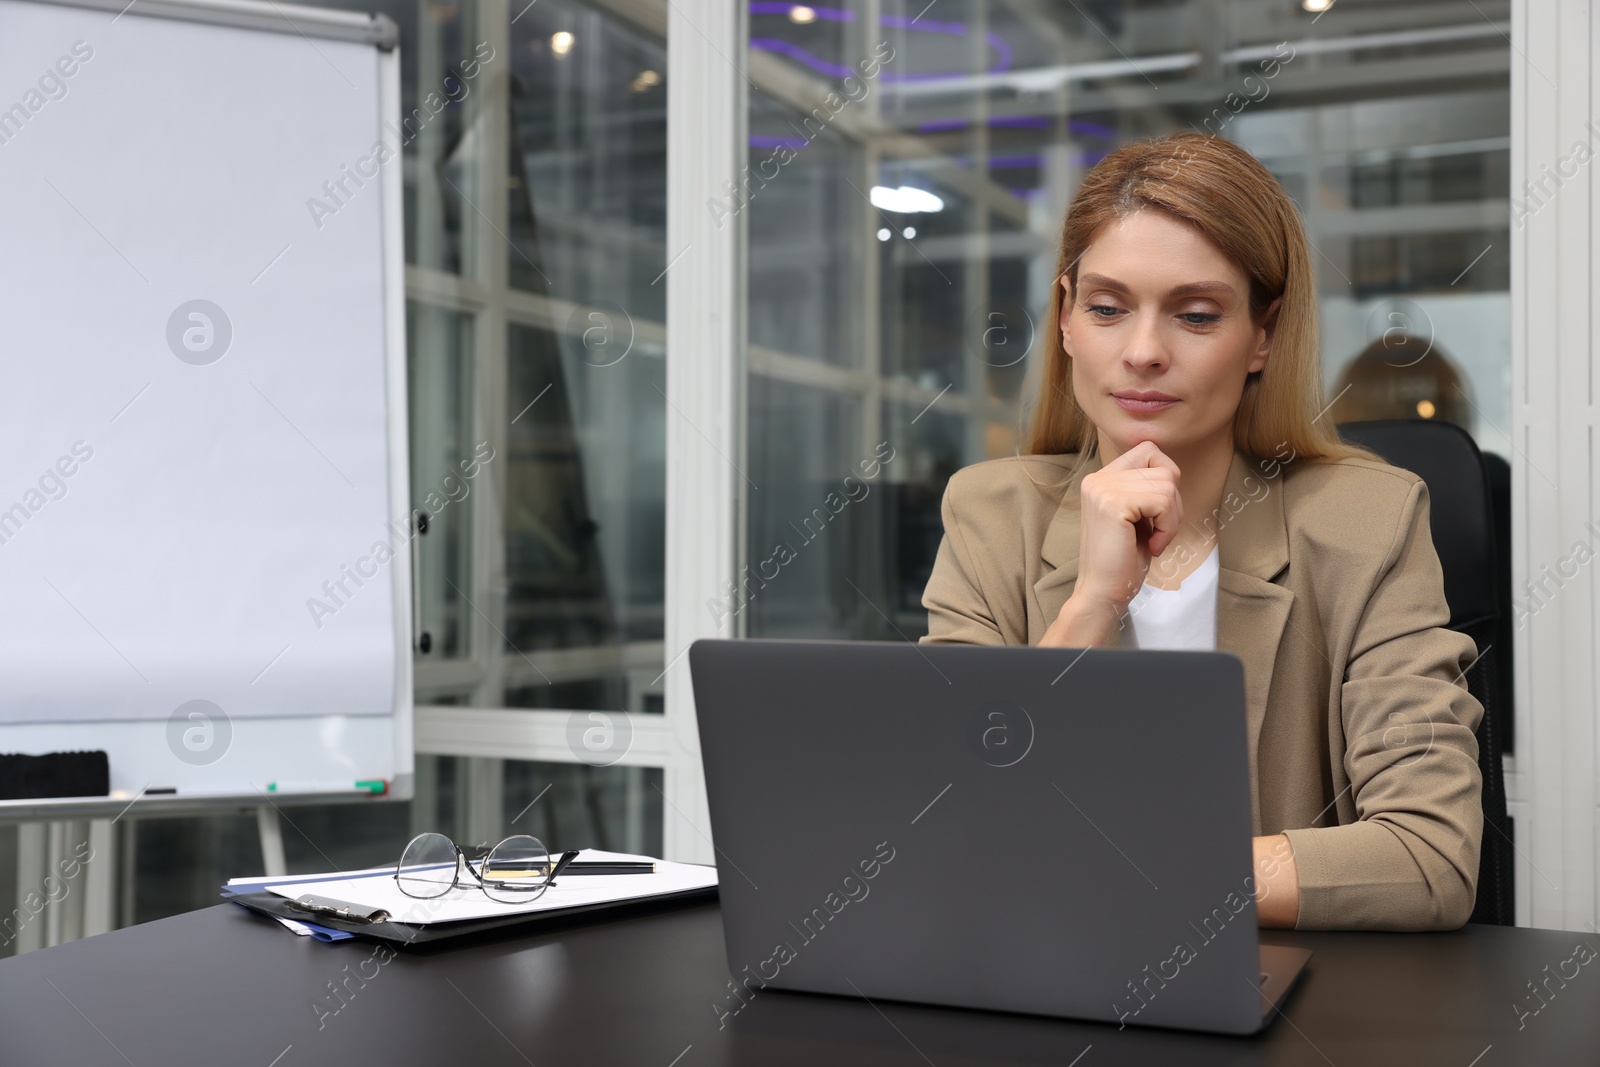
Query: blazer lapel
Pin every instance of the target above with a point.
(1252, 613)
(1059, 551)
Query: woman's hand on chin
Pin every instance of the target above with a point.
(1130, 511)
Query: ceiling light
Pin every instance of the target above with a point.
(905, 199)
(561, 42)
(884, 234)
(801, 14)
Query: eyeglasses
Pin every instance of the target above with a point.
(515, 871)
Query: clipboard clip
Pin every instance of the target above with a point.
(338, 909)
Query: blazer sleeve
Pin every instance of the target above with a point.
(958, 610)
(1410, 860)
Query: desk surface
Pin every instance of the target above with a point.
(224, 986)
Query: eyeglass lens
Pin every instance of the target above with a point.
(516, 870)
(427, 867)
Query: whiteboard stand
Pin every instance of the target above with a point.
(32, 862)
(101, 897)
(271, 832)
(327, 321)
(83, 905)
(50, 829)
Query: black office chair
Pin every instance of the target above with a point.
(1477, 586)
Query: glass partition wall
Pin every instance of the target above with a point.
(910, 165)
(538, 347)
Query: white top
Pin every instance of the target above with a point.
(1184, 618)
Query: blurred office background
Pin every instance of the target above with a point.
(898, 265)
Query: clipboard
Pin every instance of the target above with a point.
(404, 935)
(409, 934)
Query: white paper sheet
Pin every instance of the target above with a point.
(375, 888)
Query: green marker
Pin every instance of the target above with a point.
(376, 786)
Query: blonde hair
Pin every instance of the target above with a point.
(1235, 203)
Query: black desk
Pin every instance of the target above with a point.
(224, 987)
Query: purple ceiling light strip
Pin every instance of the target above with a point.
(833, 14)
(760, 141)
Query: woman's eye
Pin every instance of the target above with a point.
(1199, 318)
(1097, 309)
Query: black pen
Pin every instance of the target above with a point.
(566, 864)
(609, 867)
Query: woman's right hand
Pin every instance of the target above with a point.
(1130, 511)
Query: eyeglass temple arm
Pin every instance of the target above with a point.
(566, 858)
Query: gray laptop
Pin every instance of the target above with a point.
(1052, 831)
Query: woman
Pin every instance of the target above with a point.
(1181, 490)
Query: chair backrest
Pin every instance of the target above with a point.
(1476, 586)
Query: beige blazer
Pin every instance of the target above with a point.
(1360, 725)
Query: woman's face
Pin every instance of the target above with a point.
(1160, 336)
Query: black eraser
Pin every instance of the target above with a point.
(55, 774)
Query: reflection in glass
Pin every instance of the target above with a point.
(616, 809)
(933, 448)
(802, 228)
(585, 516)
(444, 56)
(588, 178)
(813, 519)
(1400, 376)
(924, 282)
(446, 467)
